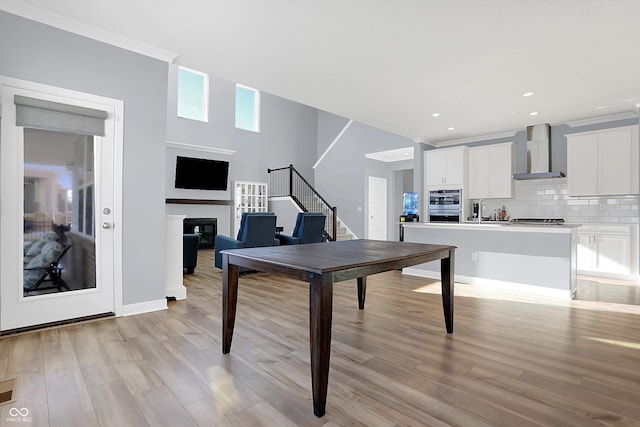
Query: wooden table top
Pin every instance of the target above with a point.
(321, 258)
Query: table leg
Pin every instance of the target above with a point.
(320, 312)
(362, 291)
(229, 301)
(446, 278)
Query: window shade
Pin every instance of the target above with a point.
(54, 116)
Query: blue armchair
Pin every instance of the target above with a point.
(309, 228)
(257, 229)
(190, 245)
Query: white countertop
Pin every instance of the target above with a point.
(495, 226)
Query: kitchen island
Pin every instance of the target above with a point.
(503, 254)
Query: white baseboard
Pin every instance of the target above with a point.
(491, 283)
(144, 307)
(178, 292)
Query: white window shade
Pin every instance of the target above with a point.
(54, 116)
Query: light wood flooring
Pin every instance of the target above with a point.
(591, 288)
(513, 360)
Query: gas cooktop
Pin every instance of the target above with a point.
(541, 221)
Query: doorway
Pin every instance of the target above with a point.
(58, 170)
(377, 222)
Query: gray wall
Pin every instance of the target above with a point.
(288, 135)
(342, 176)
(39, 53)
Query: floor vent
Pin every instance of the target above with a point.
(6, 391)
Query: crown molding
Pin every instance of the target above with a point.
(603, 119)
(72, 26)
(461, 141)
(195, 147)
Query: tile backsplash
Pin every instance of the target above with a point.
(548, 198)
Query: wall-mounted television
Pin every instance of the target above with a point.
(201, 174)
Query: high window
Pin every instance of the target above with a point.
(247, 108)
(193, 94)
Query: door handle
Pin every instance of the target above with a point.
(107, 225)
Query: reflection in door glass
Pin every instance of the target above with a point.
(59, 244)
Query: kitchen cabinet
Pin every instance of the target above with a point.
(446, 167)
(248, 197)
(603, 162)
(490, 171)
(604, 250)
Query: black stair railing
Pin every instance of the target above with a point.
(287, 182)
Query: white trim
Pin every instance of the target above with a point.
(256, 108)
(395, 155)
(116, 108)
(66, 24)
(205, 94)
(491, 283)
(285, 199)
(195, 147)
(602, 119)
(335, 140)
(144, 307)
(342, 224)
(461, 141)
(118, 162)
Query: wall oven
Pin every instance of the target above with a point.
(445, 205)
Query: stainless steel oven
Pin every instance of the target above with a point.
(445, 205)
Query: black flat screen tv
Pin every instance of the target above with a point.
(201, 174)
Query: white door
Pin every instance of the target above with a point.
(377, 208)
(58, 207)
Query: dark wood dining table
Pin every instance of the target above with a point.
(321, 265)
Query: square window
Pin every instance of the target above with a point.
(247, 108)
(193, 94)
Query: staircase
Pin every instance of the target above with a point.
(287, 182)
(342, 233)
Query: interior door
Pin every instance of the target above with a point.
(377, 208)
(58, 194)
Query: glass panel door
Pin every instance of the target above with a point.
(59, 236)
(57, 224)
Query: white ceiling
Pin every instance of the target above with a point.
(393, 63)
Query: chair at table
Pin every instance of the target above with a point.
(309, 228)
(257, 229)
(190, 244)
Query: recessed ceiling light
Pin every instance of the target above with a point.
(451, 128)
(600, 107)
(527, 94)
(535, 113)
(435, 114)
(405, 153)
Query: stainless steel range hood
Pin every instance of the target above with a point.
(538, 154)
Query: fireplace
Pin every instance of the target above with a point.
(207, 228)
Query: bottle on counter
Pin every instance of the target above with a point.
(503, 214)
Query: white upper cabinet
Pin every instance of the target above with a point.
(603, 162)
(445, 167)
(582, 164)
(490, 171)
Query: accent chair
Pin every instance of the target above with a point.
(309, 228)
(190, 245)
(257, 229)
